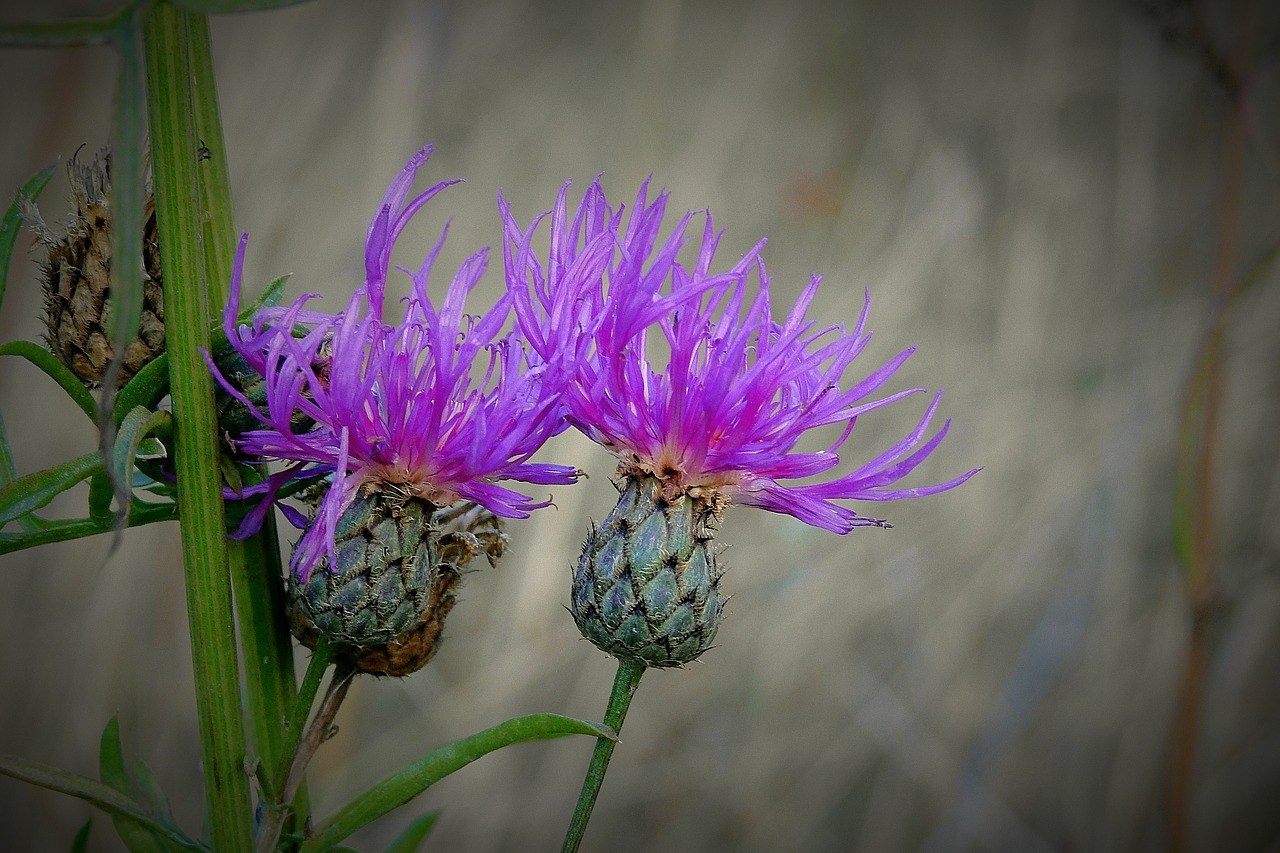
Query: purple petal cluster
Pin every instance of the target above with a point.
(440, 405)
(688, 376)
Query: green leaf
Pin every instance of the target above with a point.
(148, 787)
(401, 787)
(7, 474)
(147, 387)
(215, 7)
(271, 296)
(128, 196)
(57, 371)
(94, 792)
(136, 426)
(28, 494)
(409, 840)
(67, 32)
(80, 844)
(11, 224)
(136, 837)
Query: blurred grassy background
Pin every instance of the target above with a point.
(1028, 191)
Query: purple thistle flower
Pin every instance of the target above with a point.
(725, 406)
(396, 406)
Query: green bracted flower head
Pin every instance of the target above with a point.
(647, 586)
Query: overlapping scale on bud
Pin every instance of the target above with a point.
(414, 424)
(235, 417)
(75, 275)
(399, 562)
(647, 586)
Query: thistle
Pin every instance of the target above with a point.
(715, 423)
(414, 448)
(76, 279)
(400, 561)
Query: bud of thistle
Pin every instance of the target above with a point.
(647, 586)
(235, 416)
(399, 560)
(76, 279)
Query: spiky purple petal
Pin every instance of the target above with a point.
(734, 391)
(398, 403)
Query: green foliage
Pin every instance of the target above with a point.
(80, 844)
(136, 836)
(22, 497)
(27, 494)
(111, 800)
(55, 370)
(411, 838)
(401, 787)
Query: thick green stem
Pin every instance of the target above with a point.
(174, 150)
(211, 164)
(624, 687)
(256, 571)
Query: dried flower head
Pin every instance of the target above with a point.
(76, 277)
(703, 395)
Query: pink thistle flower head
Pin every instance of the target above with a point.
(735, 386)
(435, 404)
(704, 395)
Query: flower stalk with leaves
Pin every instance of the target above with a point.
(716, 419)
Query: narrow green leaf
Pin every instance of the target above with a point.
(271, 296)
(409, 840)
(401, 787)
(214, 7)
(147, 388)
(80, 844)
(8, 472)
(55, 370)
(30, 493)
(137, 837)
(128, 198)
(72, 31)
(47, 532)
(7, 469)
(11, 224)
(92, 791)
(148, 787)
(136, 426)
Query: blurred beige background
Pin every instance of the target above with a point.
(1028, 190)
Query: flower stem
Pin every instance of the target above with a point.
(1195, 485)
(305, 747)
(624, 687)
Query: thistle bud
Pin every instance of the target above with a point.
(398, 563)
(76, 278)
(234, 417)
(647, 586)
